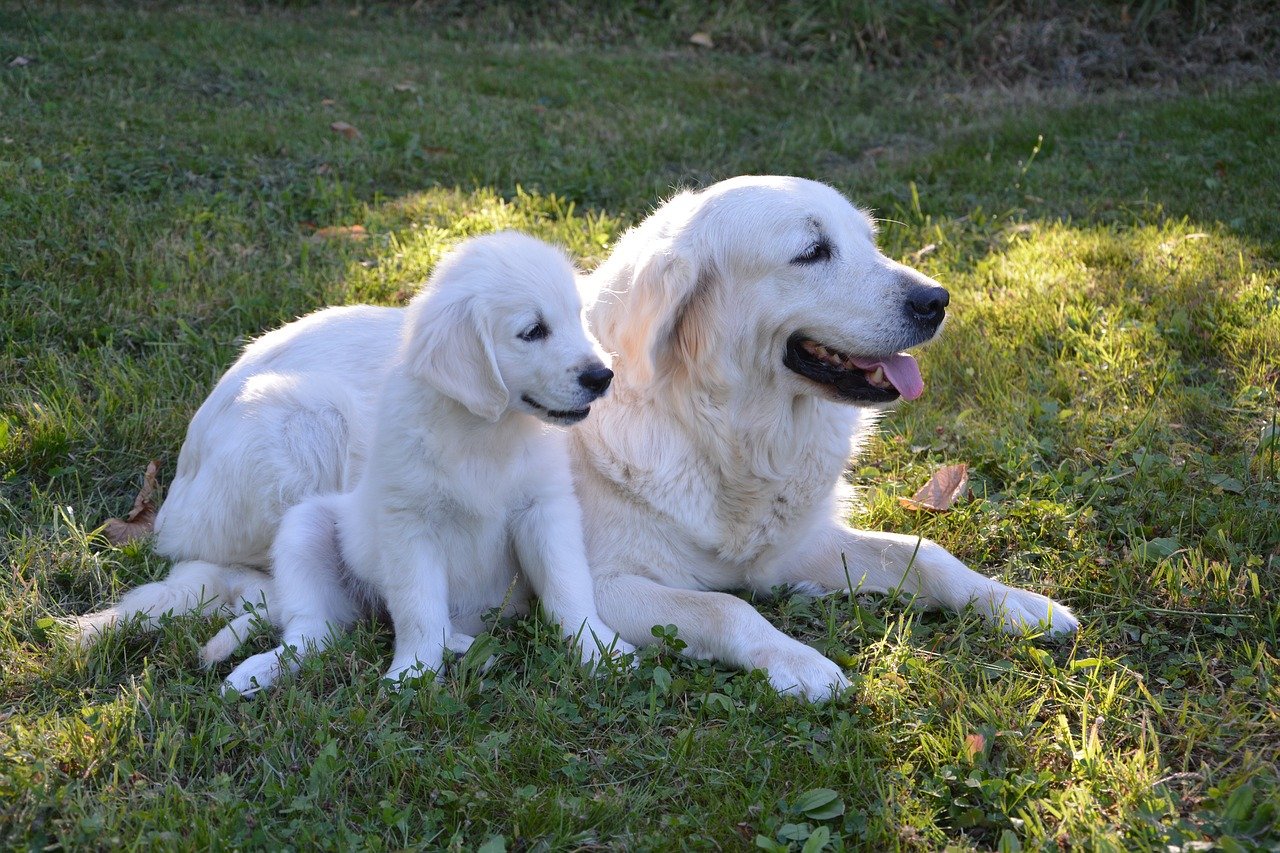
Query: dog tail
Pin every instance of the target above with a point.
(191, 586)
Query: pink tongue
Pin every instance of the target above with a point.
(901, 370)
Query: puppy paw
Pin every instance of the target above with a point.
(797, 670)
(459, 645)
(226, 641)
(1019, 610)
(256, 673)
(401, 674)
(218, 649)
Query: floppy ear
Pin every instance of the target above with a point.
(644, 323)
(450, 349)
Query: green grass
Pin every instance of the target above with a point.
(1109, 374)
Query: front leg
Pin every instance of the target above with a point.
(415, 582)
(916, 567)
(549, 545)
(717, 626)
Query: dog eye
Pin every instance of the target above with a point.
(818, 252)
(536, 332)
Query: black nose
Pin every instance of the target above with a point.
(927, 305)
(596, 379)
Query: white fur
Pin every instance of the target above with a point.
(709, 467)
(466, 500)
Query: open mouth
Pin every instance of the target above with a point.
(567, 416)
(854, 379)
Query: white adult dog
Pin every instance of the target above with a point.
(756, 333)
(466, 501)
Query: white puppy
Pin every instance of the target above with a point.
(466, 501)
(757, 332)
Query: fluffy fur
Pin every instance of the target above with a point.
(713, 465)
(466, 502)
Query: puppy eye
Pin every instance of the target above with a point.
(536, 332)
(818, 252)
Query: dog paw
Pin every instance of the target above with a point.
(459, 645)
(598, 641)
(401, 674)
(256, 673)
(1019, 610)
(797, 670)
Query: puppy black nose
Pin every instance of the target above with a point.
(596, 380)
(927, 305)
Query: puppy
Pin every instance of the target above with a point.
(466, 500)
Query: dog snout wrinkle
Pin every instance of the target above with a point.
(596, 380)
(927, 305)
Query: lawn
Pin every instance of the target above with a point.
(171, 185)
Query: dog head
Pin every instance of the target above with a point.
(499, 327)
(759, 277)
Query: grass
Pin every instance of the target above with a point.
(1109, 375)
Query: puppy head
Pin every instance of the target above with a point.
(766, 278)
(499, 327)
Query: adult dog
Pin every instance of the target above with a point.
(466, 502)
(756, 332)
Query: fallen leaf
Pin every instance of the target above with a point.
(345, 130)
(701, 40)
(141, 518)
(327, 102)
(19, 61)
(341, 232)
(942, 490)
(436, 150)
(974, 745)
(405, 87)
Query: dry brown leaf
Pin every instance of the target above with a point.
(436, 150)
(974, 745)
(327, 102)
(141, 518)
(405, 87)
(341, 232)
(346, 130)
(942, 490)
(702, 40)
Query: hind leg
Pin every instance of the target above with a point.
(311, 600)
(191, 586)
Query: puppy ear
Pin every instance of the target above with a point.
(447, 347)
